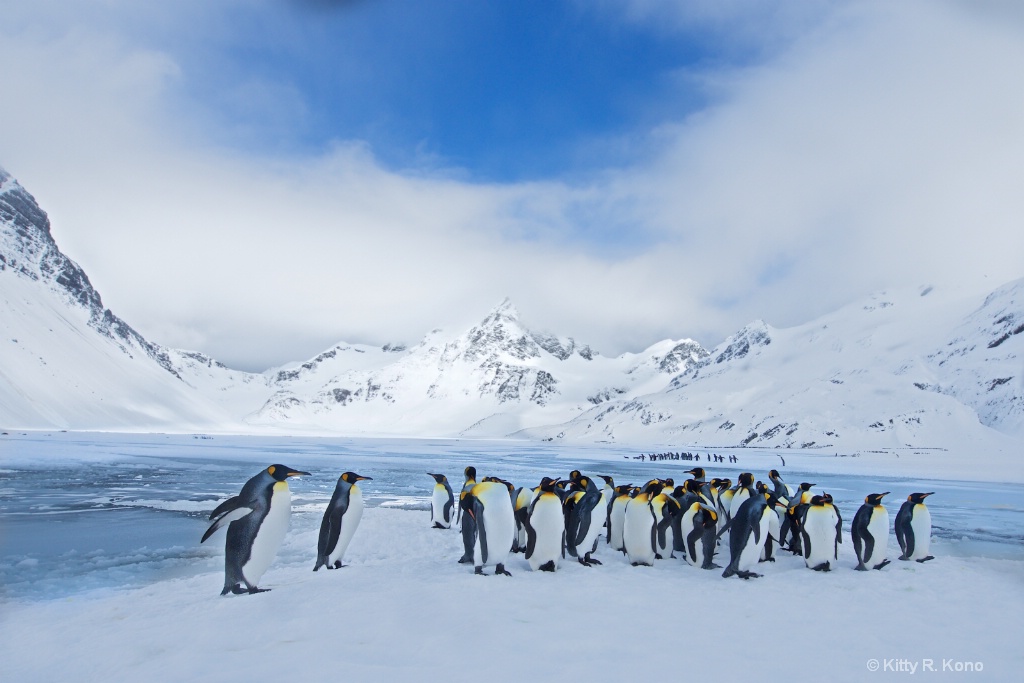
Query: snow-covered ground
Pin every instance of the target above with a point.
(103, 578)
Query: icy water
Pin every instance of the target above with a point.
(84, 512)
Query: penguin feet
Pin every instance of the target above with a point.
(337, 565)
(879, 566)
(861, 568)
(925, 559)
(711, 565)
(465, 559)
(478, 570)
(583, 561)
(748, 575)
(823, 567)
(548, 566)
(438, 525)
(904, 558)
(591, 560)
(500, 569)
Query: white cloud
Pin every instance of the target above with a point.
(880, 149)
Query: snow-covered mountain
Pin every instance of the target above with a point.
(898, 369)
(920, 368)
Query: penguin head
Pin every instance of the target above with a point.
(806, 487)
(818, 501)
(635, 491)
(680, 490)
(669, 483)
(654, 487)
(746, 479)
(724, 483)
(774, 475)
(281, 472)
(918, 498)
(697, 472)
(761, 488)
(548, 484)
(607, 480)
(624, 490)
(575, 476)
(352, 477)
(875, 498)
(439, 478)
(470, 473)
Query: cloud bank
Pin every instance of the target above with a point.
(877, 145)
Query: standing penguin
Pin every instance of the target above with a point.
(666, 513)
(522, 499)
(698, 525)
(870, 532)
(341, 519)
(748, 531)
(639, 532)
(914, 528)
(257, 520)
(494, 525)
(468, 526)
(583, 515)
(545, 531)
(820, 533)
(607, 495)
(441, 502)
(617, 515)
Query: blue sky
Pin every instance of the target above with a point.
(259, 179)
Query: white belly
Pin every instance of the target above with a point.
(774, 529)
(752, 551)
(547, 522)
(878, 527)
(636, 531)
(922, 526)
(686, 528)
(617, 518)
(737, 500)
(820, 527)
(270, 535)
(437, 503)
(499, 524)
(349, 523)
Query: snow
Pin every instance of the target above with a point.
(404, 608)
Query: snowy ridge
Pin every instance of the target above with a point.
(912, 369)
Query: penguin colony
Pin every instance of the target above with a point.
(745, 523)
(562, 518)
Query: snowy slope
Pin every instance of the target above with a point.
(872, 375)
(65, 360)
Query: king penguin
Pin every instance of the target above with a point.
(617, 515)
(545, 530)
(748, 531)
(257, 520)
(820, 533)
(582, 513)
(698, 525)
(914, 528)
(870, 532)
(341, 519)
(639, 533)
(441, 502)
(468, 526)
(494, 525)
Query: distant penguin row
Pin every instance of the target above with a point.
(562, 517)
(258, 518)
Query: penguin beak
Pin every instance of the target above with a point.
(361, 478)
(882, 495)
(297, 473)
